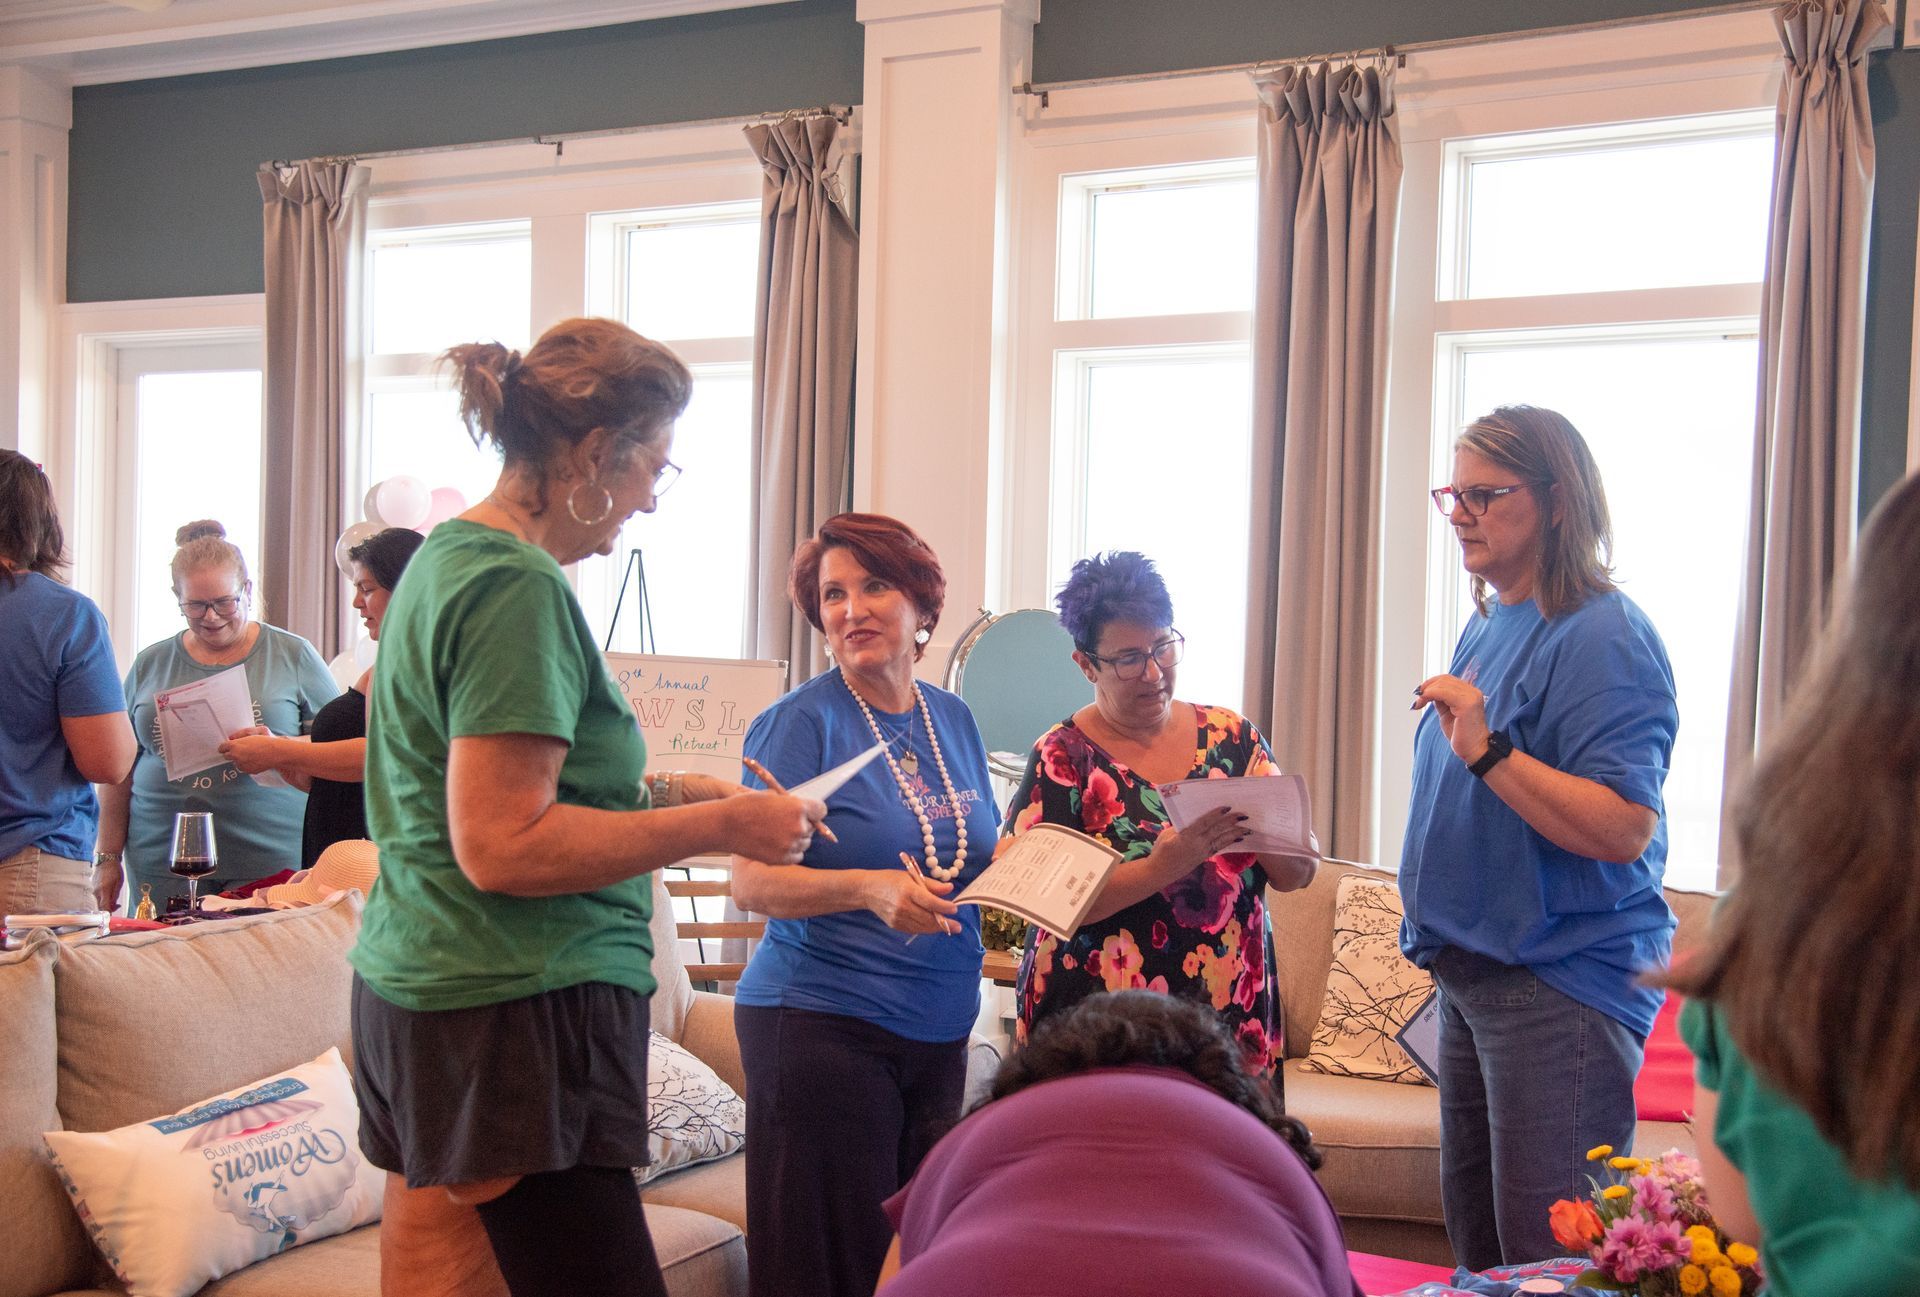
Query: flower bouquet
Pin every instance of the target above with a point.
(1648, 1231)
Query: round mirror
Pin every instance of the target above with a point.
(1015, 670)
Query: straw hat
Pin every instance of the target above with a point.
(352, 862)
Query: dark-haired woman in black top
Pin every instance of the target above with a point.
(331, 761)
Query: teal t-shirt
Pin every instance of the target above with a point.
(484, 637)
(256, 827)
(1825, 1231)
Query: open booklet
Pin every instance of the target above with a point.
(1048, 876)
(1279, 814)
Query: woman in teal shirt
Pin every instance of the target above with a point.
(1806, 1016)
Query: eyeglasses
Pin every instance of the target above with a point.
(226, 605)
(1132, 665)
(664, 477)
(1475, 499)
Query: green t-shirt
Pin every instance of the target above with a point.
(484, 637)
(1826, 1232)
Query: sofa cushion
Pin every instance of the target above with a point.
(1382, 1143)
(714, 1188)
(700, 1255)
(673, 999)
(692, 1115)
(43, 1246)
(230, 1180)
(153, 1022)
(1372, 989)
(1303, 946)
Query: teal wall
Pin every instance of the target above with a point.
(163, 201)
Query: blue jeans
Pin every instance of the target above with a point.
(1530, 1079)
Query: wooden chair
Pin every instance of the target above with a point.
(700, 931)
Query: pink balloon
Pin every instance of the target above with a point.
(402, 501)
(447, 503)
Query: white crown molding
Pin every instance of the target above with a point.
(91, 43)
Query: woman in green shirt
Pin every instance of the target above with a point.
(1806, 1016)
(504, 964)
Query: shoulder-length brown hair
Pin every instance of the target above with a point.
(886, 547)
(1549, 455)
(30, 535)
(1811, 955)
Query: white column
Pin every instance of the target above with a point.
(929, 404)
(36, 113)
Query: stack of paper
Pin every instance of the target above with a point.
(84, 925)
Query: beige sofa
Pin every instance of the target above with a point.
(97, 1036)
(1382, 1139)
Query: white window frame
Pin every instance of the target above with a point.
(1687, 77)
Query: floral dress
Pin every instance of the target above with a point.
(1204, 936)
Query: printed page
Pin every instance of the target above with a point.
(195, 720)
(1048, 875)
(1278, 813)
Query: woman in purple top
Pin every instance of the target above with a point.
(1124, 1150)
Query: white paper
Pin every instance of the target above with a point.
(1048, 875)
(823, 786)
(1277, 810)
(195, 720)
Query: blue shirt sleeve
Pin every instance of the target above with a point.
(1616, 715)
(87, 683)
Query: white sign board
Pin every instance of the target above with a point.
(694, 712)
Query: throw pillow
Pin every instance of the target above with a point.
(692, 1115)
(177, 1202)
(1372, 989)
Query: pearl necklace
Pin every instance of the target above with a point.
(906, 789)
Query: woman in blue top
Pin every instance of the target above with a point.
(853, 1033)
(63, 720)
(256, 827)
(1536, 838)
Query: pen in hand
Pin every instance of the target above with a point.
(913, 867)
(765, 776)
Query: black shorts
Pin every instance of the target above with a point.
(545, 1083)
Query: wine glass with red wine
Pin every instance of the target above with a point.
(194, 854)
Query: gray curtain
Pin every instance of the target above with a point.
(1329, 177)
(1812, 329)
(315, 223)
(802, 370)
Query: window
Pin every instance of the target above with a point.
(190, 415)
(1560, 274)
(688, 277)
(1144, 357)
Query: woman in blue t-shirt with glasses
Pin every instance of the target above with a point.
(1537, 838)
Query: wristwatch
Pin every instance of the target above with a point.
(1499, 748)
(105, 858)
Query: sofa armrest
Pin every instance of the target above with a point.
(708, 1035)
(983, 1061)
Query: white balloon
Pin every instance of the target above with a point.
(370, 507)
(403, 501)
(352, 536)
(344, 670)
(363, 653)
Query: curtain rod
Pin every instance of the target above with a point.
(558, 142)
(1398, 53)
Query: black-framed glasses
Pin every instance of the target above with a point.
(1476, 500)
(1132, 665)
(226, 605)
(665, 476)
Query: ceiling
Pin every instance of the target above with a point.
(87, 42)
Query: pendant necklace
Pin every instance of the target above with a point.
(902, 772)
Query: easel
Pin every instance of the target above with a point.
(635, 575)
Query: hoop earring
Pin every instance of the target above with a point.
(606, 509)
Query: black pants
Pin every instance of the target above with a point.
(839, 1113)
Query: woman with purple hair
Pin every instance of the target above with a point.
(1183, 913)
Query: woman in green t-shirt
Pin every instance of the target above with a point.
(504, 964)
(1806, 1021)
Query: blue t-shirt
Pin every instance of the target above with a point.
(851, 963)
(55, 660)
(1590, 693)
(257, 828)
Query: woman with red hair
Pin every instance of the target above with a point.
(852, 1033)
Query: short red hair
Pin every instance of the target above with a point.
(886, 547)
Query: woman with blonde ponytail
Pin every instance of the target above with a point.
(257, 826)
(504, 787)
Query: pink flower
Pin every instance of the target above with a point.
(1159, 934)
(1203, 899)
(1120, 962)
(1060, 765)
(1653, 1198)
(1632, 1247)
(1100, 803)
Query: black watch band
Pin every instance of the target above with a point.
(1499, 748)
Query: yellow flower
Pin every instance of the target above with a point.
(1725, 1281)
(1623, 1163)
(1599, 1151)
(1705, 1244)
(1615, 1191)
(1692, 1280)
(1741, 1254)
